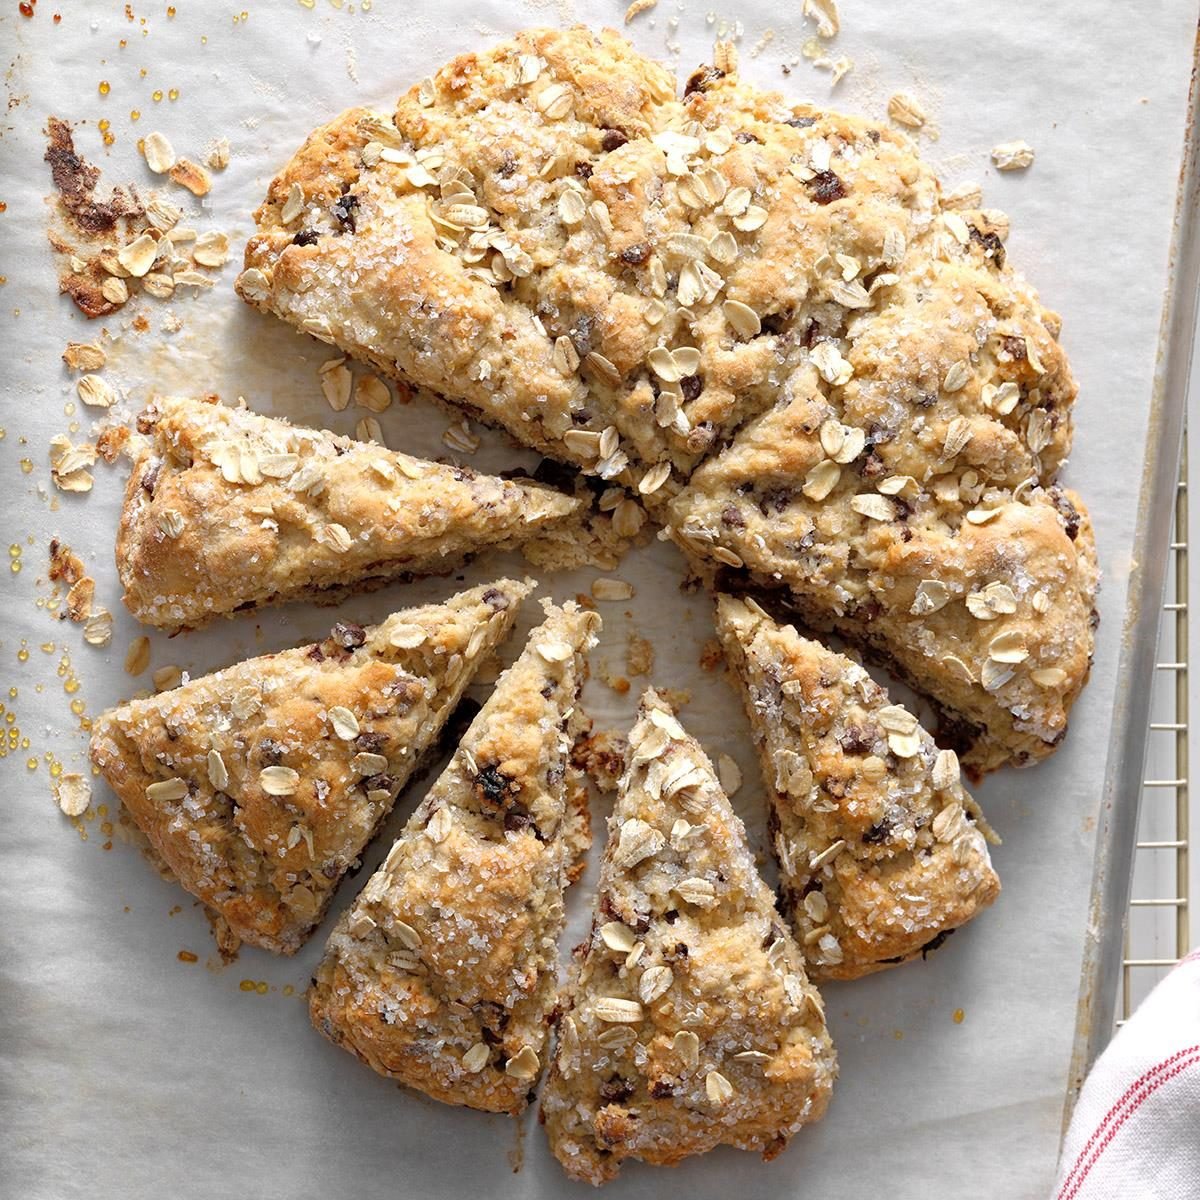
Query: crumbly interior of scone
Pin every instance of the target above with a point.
(228, 510)
(881, 849)
(689, 1021)
(769, 305)
(444, 972)
(260, 785)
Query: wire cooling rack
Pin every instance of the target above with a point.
(1160, 929)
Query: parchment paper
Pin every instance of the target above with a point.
(125, 1072)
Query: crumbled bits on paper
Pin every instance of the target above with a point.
(67, 567)
(825, 14)
(110, 249)
(906, 110)
(601, 757)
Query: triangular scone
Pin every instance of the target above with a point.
(443, 973)
(689, 1021)
(260, 785)
(902, 492)
(548, 234)
(880, 848)
(227, 510)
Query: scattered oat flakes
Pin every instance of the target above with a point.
(216, 154)
(158, 152)
(191, 176)
(69, 464)
(166, 678)
(1012, 156)
(114, 290)
(84, 356)
(729, 773)
(137, 257)
(612, 589)
(95, 392)
(137, 658)
(459, 437)
(725, 56)
(97, 629)
(369, 430)
(191, 279)
(211, 249)
(162, 214)
(73, 793)
(637, 7)
(370, 392)
(336, 383)
(906, 110)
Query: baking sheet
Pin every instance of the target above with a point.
(126, 1072)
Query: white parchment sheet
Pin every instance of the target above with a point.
(125, 1072)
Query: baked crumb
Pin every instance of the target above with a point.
(712, 657)
(639, 655)
(601, 756)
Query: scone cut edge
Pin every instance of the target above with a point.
(260, 785)
(688, 1021)
(443, 974)
(226, 510)
(882, 851)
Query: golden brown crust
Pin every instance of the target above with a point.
(587, 198)
(909, 467)
(734, 272)
(880, 852)
(227, 510)
(261, 784)
(689, 1021)
(444, 972)
(994, 621)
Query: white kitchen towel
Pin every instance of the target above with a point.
(1135, 1133)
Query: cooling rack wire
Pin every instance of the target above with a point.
(1159, 927)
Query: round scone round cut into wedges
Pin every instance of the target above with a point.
(260, 785)
(689, 1021)
(761, 318)
(444, 972)
(882, 852)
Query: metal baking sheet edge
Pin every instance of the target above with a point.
(1119, 810)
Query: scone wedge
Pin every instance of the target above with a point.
(549, 235)
(903, 493)
(227, 510)
(261, 784)
(882, 852)
(443, 973)
(689, 1020)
